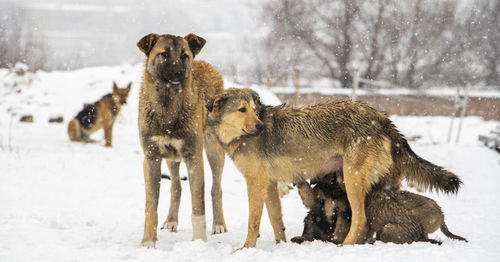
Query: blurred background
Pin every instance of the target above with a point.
(412, 43)
(314, 45)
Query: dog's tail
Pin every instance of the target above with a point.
(418, 171)
(74, 130)
(447, 233)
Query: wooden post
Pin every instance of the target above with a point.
(454, 114)
(355, 84)
(463, 106)
(296, 83)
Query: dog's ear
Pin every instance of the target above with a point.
(255, 96)
(195, 43)
(115, 87)
(215, 102)
(129, 86)
(147, 42)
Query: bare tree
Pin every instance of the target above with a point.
(323, 28)
(405, 42)
(483, 36)
(18, 42)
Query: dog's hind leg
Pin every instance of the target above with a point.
(216, 155)
(355, 186)
(152, 178)
(172, 220)
(273, 205)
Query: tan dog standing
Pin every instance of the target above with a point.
(279, 143)
(172, 126)
(101, 114)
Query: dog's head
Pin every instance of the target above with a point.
(169, 58)
(120, 94)
(234, 113)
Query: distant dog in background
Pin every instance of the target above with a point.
(101, 114)
(393, 215)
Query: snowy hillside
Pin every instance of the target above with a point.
(63, 201)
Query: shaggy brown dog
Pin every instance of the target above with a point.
(172, 126)
(101, 114)
(279, 143)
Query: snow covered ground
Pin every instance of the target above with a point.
(62, 201)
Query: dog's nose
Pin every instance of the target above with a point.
(259, 126)
(179, 74)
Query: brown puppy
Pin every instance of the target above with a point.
(392, 215)
(270, 144)
(172, 126)
(101, 114)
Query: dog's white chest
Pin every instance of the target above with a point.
(169, 147)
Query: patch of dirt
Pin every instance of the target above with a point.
(487, 108)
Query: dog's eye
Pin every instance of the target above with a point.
(184, 56)
(243, 109)
(165, 54)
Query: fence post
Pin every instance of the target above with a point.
(463, 107)
(454, 113)
(296, 83)
(355, 84)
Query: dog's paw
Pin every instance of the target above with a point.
(298, 239)
(170, 226)
(218, 229)
(199, 227)
(148, 244)
(239, 249)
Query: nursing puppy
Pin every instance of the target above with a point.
(279, 143)
(329, 215)
(392, 215)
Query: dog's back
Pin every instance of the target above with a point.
(209, 79)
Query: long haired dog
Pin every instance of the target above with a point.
(172, 126)
(101, 114)
(279, 143)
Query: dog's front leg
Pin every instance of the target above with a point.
(152, 177)
(273, 205)
(215, 155)
(194, 162)
(175, 197)
(256, 189)
(108, 134)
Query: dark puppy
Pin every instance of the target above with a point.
(326, 219)
(392, 215)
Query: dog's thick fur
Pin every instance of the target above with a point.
(172, 126)
(101, 114)
(270, 144)
(392, 215)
